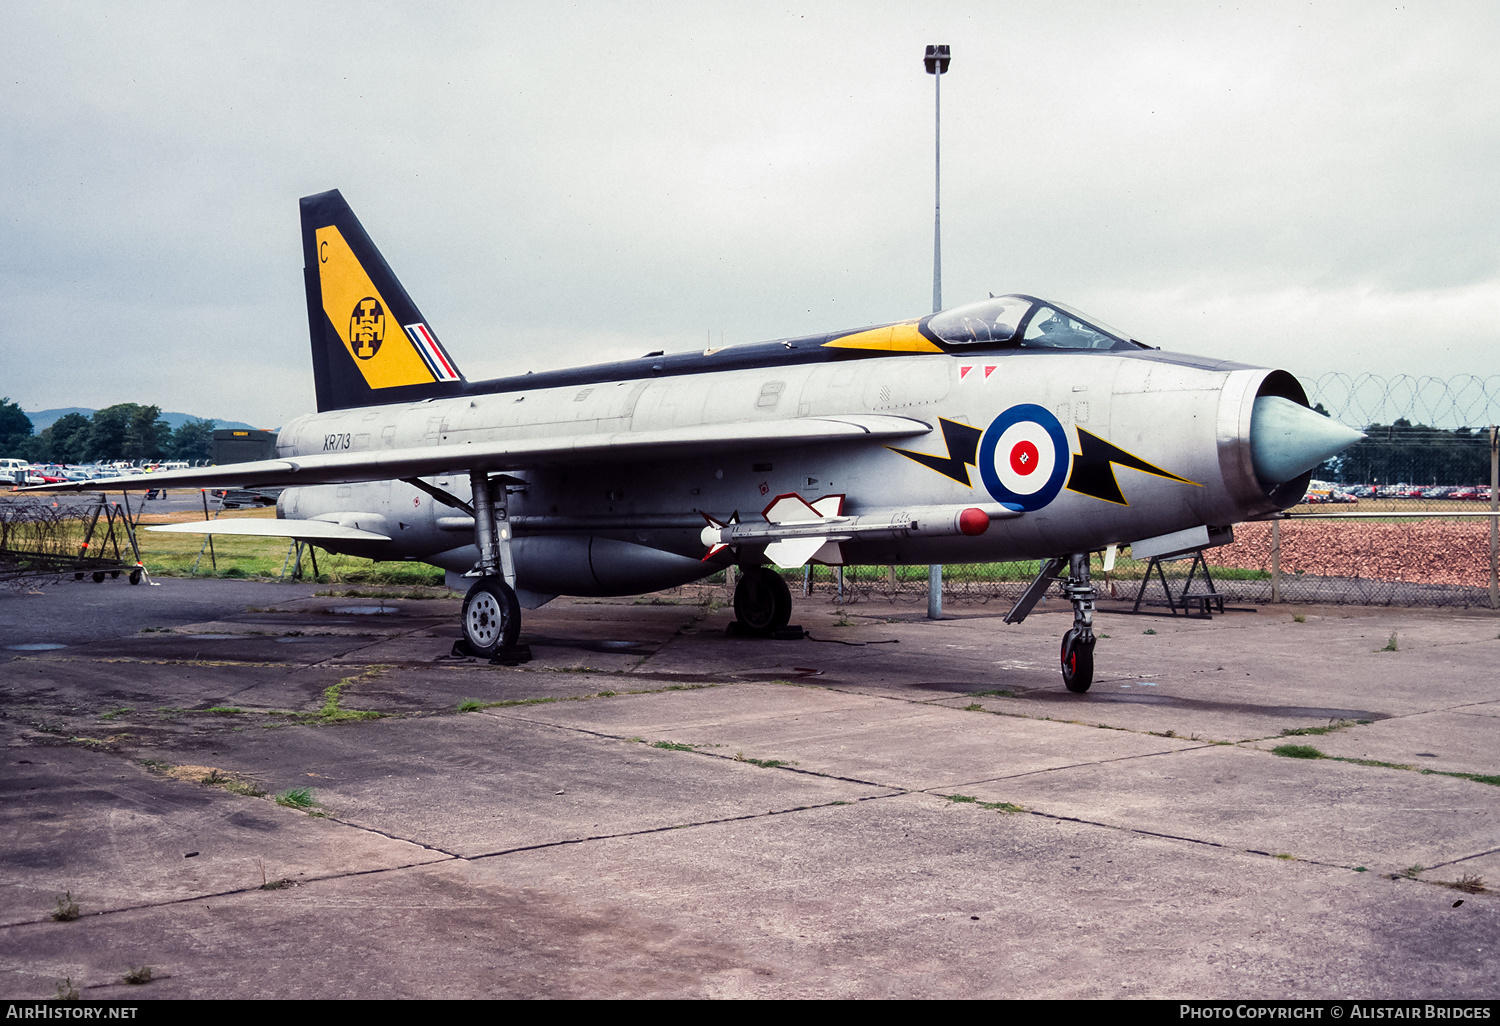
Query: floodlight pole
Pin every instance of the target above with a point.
(936, 61)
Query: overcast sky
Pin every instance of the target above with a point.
(1303, 185)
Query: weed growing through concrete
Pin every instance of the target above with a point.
(1297, 752)
(1288, 857)
(332, 695)
(66, 991)
(296, 798)
(278, 885)
(1390, 646)
(762, 763)
(1469, 884)
(67, 910)
(1412, 872)
(1001, 692)
(974, 707)
(470, 705)
(243, 787)
(225, 710)
(965, 799)
(1339, 725)
(137, 975)
(673, 746)
(1148, 630)
(1298, 618)
(124, 710)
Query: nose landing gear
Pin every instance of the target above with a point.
(1078, 643)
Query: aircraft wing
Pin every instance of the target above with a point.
(515, 454)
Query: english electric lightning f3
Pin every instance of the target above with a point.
(1012, 428)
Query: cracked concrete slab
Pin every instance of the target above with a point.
(117, 836)
(898, 744)
(1243, 798)
(1446, 741)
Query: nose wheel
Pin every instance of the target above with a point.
(1078, 660)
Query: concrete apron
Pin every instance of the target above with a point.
(650, 808)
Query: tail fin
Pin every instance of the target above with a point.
(370, 343)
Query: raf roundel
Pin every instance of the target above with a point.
(1024, 457)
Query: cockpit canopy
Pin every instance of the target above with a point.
(1024, 322)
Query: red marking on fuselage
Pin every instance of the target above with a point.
(1023, 457)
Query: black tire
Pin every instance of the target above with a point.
(762, 601)
(135, 576)
(491, 617)
(98, 576)
(1077, 662)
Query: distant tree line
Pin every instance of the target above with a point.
(125, 431)
(1408, 453)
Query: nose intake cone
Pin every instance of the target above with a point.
(1288, 439)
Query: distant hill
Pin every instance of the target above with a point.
(43, 419)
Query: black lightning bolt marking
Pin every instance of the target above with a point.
(962, 443)
(1093, 469)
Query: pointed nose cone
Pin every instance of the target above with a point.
(1287, 439)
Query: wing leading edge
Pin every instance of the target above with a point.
(516, 454)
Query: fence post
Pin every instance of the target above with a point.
(1494, 521)
(1275, 561)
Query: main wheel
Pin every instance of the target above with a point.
(762, 600)
(491, 617)
(1077, 661)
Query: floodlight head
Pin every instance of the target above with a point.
(936, 59)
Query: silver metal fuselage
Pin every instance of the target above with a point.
(627, 527)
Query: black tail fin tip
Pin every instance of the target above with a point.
(370, 343)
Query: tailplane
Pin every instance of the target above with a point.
(370, 343)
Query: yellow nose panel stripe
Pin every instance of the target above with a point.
(358, 312)
(897, 338)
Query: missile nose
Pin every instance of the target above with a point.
(1287, 439)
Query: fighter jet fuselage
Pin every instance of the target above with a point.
(622, 527)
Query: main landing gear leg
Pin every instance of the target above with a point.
(492, 614)
(1078, 643)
